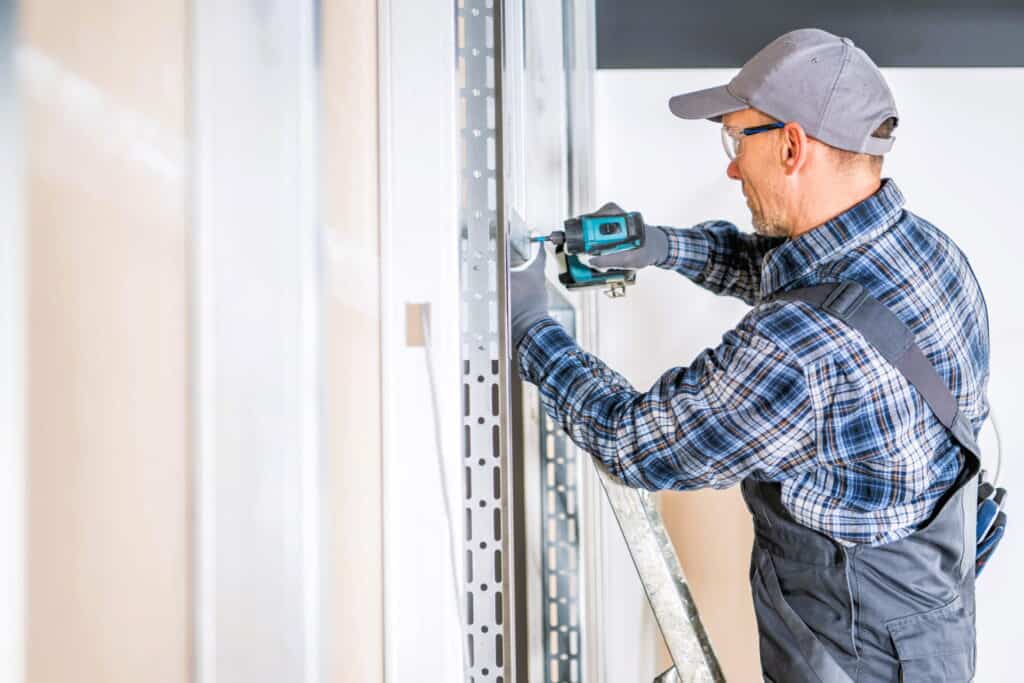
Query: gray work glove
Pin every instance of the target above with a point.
(654, 250)
(528, 296)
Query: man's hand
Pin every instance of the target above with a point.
(528, 296)
(654, 250)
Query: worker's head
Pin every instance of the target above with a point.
(782, 169)
(805, 120)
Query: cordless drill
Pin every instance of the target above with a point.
(606, 231)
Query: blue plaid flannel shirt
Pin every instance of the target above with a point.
(792, 394)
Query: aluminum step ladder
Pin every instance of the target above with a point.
(663, 581)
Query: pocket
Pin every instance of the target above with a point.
(935, 646)
(787, 644)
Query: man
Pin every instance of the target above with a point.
(862, 568)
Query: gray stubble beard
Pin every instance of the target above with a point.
(763, 226)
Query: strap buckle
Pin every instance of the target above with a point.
(845, 299)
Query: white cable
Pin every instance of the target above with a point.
(446, 500)
(999, 445)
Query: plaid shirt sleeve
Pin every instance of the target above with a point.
(742, 408)
(719, 257)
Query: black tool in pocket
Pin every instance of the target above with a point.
(991, 521)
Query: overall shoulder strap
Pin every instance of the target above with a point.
(852, 304)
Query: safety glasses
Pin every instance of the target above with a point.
(731, 136)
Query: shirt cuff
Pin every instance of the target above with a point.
(688, 252)
(545, 340)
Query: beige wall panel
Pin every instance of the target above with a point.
(355, 612)
(712, 534)
(108, 564)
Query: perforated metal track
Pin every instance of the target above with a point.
(486, 594)
(560, 559)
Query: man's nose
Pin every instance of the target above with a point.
(733, 171)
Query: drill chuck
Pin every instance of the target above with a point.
(556, 238)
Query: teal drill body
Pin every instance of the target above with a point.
(596, 234)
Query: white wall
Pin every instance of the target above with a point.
(419, 254)
(955, 161)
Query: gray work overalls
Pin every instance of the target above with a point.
(902, 611)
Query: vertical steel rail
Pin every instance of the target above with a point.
(545, 517)
(579, 62)
(561, 565)
(488, 547)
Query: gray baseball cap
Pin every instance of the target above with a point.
(823, 82)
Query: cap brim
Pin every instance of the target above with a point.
(710, 103)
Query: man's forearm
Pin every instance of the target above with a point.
(584, 396)
(697, 426)
(720, 258)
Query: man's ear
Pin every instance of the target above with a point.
(794, 150)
